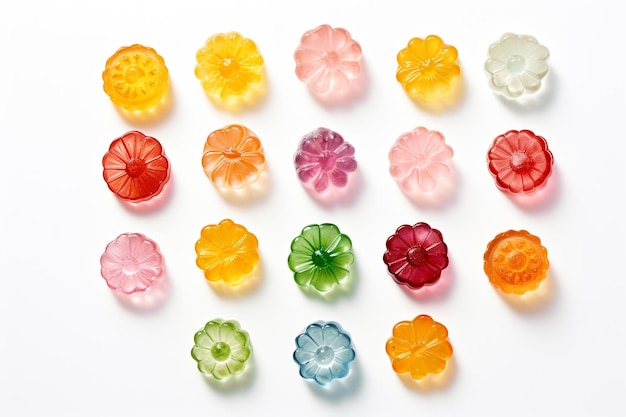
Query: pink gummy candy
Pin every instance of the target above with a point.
(418, 159)
(328, 60)
(131, 263)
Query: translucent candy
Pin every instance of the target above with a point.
(324, 352)
(419, 159)
(233, 157)
(131, 263)
(520, 161)
(221, 349)
(321, 257)
(517, 65)
(135, 167)
(324, 159)
(136, 78)
(419, 347)
(427, 68)
(416, 255)
(516, 262)
(328, 60)
(229, 67)
(227, 252)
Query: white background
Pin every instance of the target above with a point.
(68, 346)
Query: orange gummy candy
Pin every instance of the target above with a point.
(516, 262)
(136, 78)
(227, 252)
(233, 157)
(419, 347)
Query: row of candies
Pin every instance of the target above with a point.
(137, 170)
(321, 258)
(324, 350)
(230, 69)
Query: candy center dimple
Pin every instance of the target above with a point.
(328, 160)
(416, 256)
(324, 355)
(130, 266)
(228, 254)
(220, 351)
(232, 154)
(428, 68)
(134, 74)
(421, 160)
(417, 348)
(320, 258)
(519, 161)
(517, 261)
(516, 64)
(229, 67)
(331, 59)
(135, 167)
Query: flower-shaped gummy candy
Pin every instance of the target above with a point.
(520, 161)
(221, 349)
(516, 262)
(418, 159)
(230, 68)
(324, 352)
(321, 257)
(135, 167)
(427, 68)
(136, 78)
(328, 60)
(227, 252)
(416, 255)
(233, 157)
(517, 65)
(324, 159)
(131, 263)
(419, 347)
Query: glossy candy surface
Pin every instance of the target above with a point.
(233, 157)
(419, 347)
(516, 262)
(416, 255)
(321, 257)
(418, 159)
(517, 65)
(222, 349)
(136, 78)
(131, 263)
(135, 167)
(324, 352)
(324, 159)
(520, 161)
(427, 68)
(229, 67)
(328, 60)
(226, 252)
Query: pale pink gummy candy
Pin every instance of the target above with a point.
(131, 263)
(419, 159)
(327, 60)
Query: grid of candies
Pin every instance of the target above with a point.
(230, 69)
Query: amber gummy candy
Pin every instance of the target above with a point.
(136, 78)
